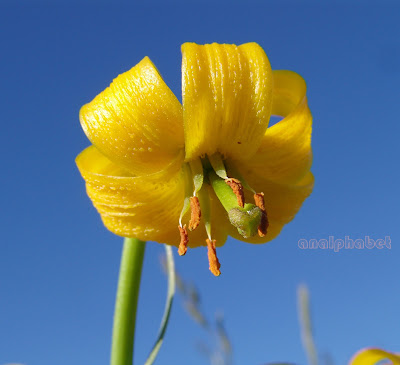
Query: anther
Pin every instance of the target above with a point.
(212, 257)
(184, 240)
(195, 213)
(262, 228)
(237, 188)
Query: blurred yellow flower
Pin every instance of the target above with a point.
(155, 165)
(371, 356)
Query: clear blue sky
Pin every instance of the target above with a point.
(59, 266)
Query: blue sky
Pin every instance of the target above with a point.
(59, 266)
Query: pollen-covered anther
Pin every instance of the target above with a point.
(237, 188)
(195, 213)
(262, 228)
(184, 240)
(212, 257)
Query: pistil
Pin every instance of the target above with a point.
(258, 199)
(247, 218)
(235, 184)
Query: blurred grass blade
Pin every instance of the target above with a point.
(168, 305)
(303, 299)
(226, 345)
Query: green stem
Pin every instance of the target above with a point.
(126, 302)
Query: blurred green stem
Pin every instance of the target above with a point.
(126, 302)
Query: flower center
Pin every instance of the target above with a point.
(208, 173)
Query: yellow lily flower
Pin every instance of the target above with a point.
(373, 356)
(152, 160)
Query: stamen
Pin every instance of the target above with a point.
(184, 240)
(262, 228)
(185, 208)
(259, 200)
(196, 168)
(218, 165)
(204, 199)
(237, 188)
(188, 192)
(195, 213)
(212, 257)
(233, 171)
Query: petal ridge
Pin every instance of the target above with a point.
(146, 207)
(227, 98)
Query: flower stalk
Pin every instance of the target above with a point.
(126, 302)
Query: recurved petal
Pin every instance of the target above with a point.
(137, 121)
(285, 154)
(283, 201)
(146, 207)
(373, 356)
(226, 99)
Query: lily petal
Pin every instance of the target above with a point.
(146, 207)
(227, 98)
(285, 154)
(283, 201)
(137, 121)
(372, 356)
